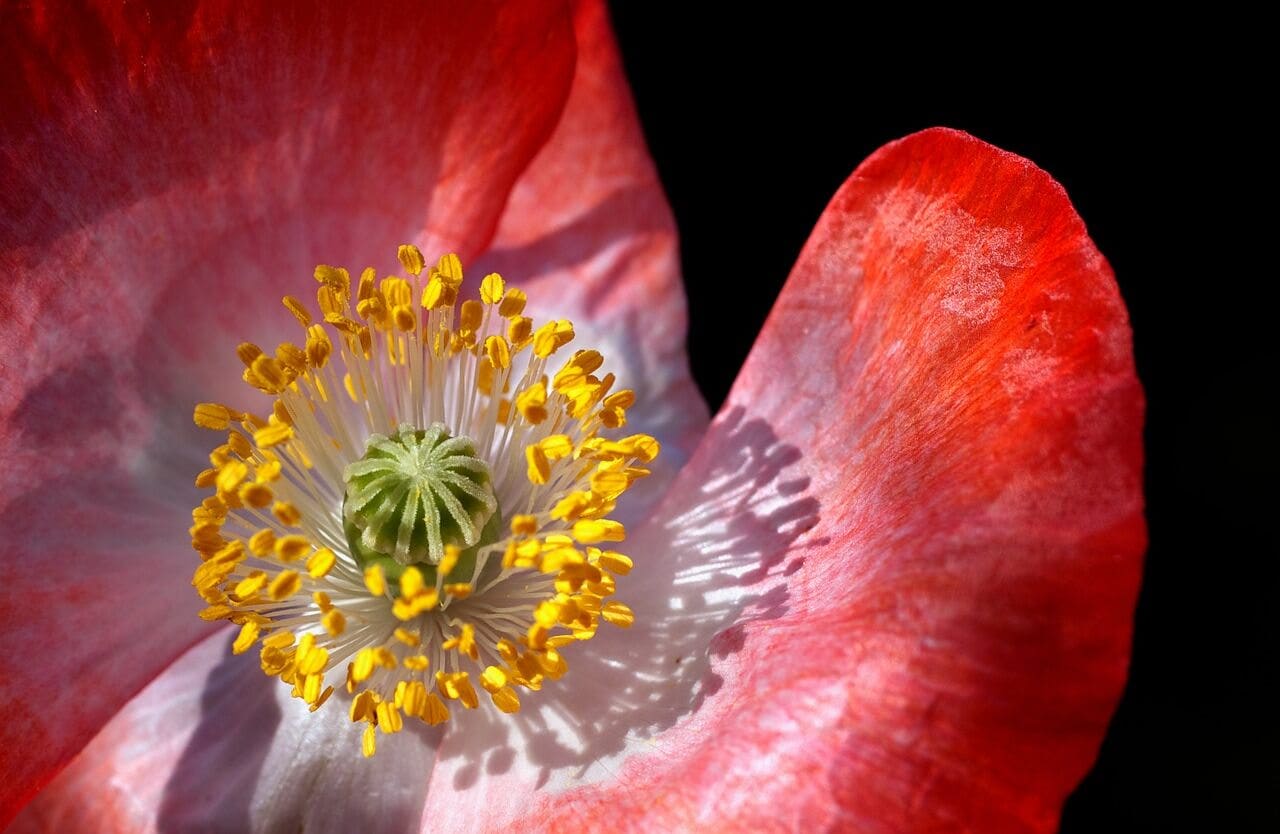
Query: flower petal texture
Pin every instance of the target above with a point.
(588, 230)
(166, 166)
(948, 372)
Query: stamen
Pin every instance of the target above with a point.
(420, 509)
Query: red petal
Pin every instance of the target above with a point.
(588, 232)
(949, 374)
(169, 173)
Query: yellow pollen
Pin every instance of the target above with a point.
(412, 640)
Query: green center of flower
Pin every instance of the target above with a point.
(414, 494)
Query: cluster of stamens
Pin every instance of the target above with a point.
(424, 506)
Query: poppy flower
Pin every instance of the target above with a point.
(887, 588)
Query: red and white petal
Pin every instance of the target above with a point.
(213, 745)
(170, 173)
(920, 520)
(589, 234)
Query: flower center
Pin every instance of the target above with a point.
(412, 495)
(425, 517)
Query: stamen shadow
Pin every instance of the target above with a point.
(238, 720)
(718, 563)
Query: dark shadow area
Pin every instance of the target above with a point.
(713, 561)
(238, 720)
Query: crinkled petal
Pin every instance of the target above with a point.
(589, 233)
(171, 171)
(213, 745)
(919, 523)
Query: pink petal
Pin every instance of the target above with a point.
(588, 232)
(213, 745)
(170, 173)
(948, 375)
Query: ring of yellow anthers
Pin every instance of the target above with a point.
(398, 353)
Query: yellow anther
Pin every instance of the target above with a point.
(248, 352)
(292, 548)
(610, 482)
(571, 506)
(551, 337)
(321, 562)
(273, 435)
(256, 495)
(539, 467)
(206, 478)
(230, 475)
(216, 612)
(268, 374)
(286, 513)
(520, 331)
(298, 309)
(435, 294)
(417, 662)
(213, 416)
(249, 586)
(544, 340)
(458, 590)
(362, 667)
(512, 305)
(493, 679)
(470, 316)
(334, 622)
(434, 711)
(556, 446)
(404, 318)
(279, 640)
(484, 377)
(450, 269)
(286, 584)
(613, 418)
(369, 741)
(239, 444)
(452, 553)
(498, 351)
(318, 347)
(375, 581)
(408, 638)
(291, 357)
(389, 720)
(322, 601)
(410, 258)
(644, 447)
(577, 370)
(333, 276)
(457, 686)
(411, 582)
(532, 402)
(280, 413)
(598, 530)
(406, 608)
(615, 562)
(524, 525)
(622, 399)
(247, 637)
(491, 288)
(464, 642)
(311, 689)
(365, 288)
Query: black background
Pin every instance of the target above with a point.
(754, 122)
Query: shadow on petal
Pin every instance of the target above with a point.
(712, 557)
(212, 784)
